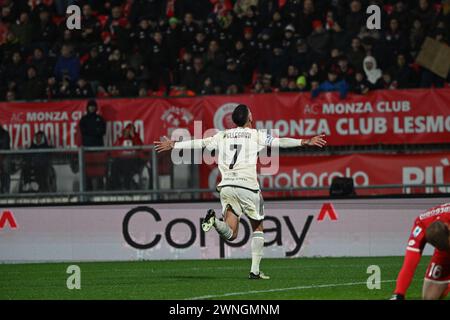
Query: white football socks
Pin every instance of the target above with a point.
(257, 250)
(223, 229)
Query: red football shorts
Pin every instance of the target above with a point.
(439, 268)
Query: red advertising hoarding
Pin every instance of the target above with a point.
(367, 170)
(381, 117)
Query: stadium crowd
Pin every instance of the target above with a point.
(131, 48)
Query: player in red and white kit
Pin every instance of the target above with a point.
(430, 227)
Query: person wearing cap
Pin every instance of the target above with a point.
(172, 37)
(92, 126)
(289, 40)
(319, 40)
(173, 21)
(301, 84)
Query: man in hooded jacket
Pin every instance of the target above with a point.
(93, 126)
(5, 141)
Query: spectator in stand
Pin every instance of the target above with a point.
(402, 73)
(305, 18)
(130, 86)
(33, 88)
(44, 30)
(338, 35)
(42, 63)
(38, 165)
(319, 40)
(208, 87)
(241, 6)
(356, 54)
(386, 82)
(257, 87)
(83, 89)
(355, 19)
(214, 59)
(194, 78)
(232, 76)
(10, 96)
(332, 84)
(289, 38)
(267, 83)
(90, 33)
(301, 84)
(373, 74)
(67, 65)
(158, 61)
(400, 12)
(15, 68)
(416, 36)
(93, 129)
(172, 37)
(92, 126)
(343, 69)
(188, 29)
(65, 89)
(300, 57)
(5, 144)
(159, 40)
(425, 13)
(314, 74)
(51, 90)
(292, 73)
(94, 67)
(199, 45)
(395, 39)
(23, 29)
(278, 62)
(127, 163)
(283, 85)
(360, 85)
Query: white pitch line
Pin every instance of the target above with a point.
(230, 294)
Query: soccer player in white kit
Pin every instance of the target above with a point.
(239, 188)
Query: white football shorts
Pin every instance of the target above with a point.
(242, 201)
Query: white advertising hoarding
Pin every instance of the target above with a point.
(376, 227)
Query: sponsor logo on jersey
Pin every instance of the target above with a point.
(411, 243)
(436, 211)
(417, 231)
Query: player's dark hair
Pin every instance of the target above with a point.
(437, 234)
(240, 115)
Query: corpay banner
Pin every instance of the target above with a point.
(361, 227)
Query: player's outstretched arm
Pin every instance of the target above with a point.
(164, 145)
(167, 145)
(318, 141)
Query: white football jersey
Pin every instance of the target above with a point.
(238, 154)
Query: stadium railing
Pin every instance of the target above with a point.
(128, 174)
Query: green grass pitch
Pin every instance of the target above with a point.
(304, 278)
